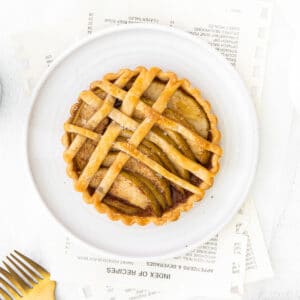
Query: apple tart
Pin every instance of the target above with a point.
(142, 145)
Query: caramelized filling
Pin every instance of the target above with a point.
(82, 112)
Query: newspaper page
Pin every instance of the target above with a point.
(258, 264)
(240, 32)
(250, 263)
(217, 263)
(238, 249)
(237, 29)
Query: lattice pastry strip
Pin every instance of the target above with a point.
(137, 137)
(130, 151)
(143, 80)
(128, 87)
(165, 123)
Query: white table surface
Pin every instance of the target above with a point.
(276, 188)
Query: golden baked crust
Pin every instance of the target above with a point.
(109, 125)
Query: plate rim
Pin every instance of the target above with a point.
(184, 35)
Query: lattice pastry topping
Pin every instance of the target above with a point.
(142, 145)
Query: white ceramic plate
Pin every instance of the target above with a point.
(131, 46)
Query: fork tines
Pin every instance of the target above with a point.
(20, 276)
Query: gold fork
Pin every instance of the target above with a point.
(32, 282)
